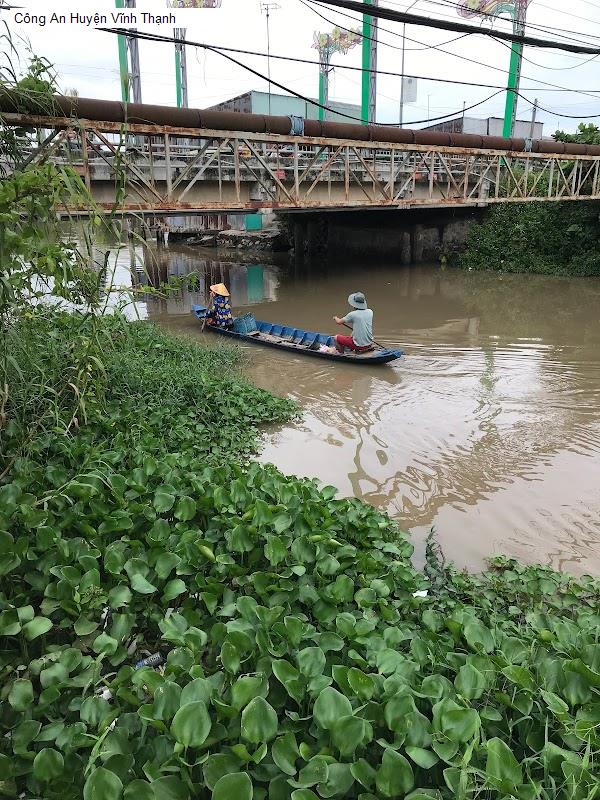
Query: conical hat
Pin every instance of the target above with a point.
(220, 288)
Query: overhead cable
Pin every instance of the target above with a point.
(429, 22)
(134, 34)
(152, 37)
(448, 52)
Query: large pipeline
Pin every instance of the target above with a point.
(113, 111)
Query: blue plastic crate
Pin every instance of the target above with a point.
(245, 324)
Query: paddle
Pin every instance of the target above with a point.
(206, 314)
(383, 347)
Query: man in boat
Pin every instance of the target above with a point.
(361, 321)
(220, 313)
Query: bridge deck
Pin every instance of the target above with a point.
(163, 169)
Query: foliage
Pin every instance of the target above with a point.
(586, 134)
(296, 661)
(153, 388)
(551, 238)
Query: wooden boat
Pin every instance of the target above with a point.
(300, 342)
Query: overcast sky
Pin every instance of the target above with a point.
(87, 59)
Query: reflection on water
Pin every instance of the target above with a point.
(488, 429)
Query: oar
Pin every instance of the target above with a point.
(383, 347)
(206, 315)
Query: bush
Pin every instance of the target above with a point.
(547, 238)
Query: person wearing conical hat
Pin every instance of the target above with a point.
(221, 312)
(361, 322)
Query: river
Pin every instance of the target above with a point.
(488, 429)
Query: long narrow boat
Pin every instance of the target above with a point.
(300, 341)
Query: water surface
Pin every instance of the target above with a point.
(488, 429)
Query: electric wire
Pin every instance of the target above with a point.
(533, 26)
(171, 40)
(381, 12)
(455, 55)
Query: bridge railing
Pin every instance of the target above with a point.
(166, 169)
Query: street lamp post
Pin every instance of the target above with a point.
(266, 8)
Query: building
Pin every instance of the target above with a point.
(286, 105)
(492, 126)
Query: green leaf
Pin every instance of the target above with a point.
(230, 658)
(20, 696)
(329, 706)
(304, 794)
(311, 661)
(218, 765)
(361, 684)
(349, 733)
(363, 772)
(502, 768)
(236, 786)
(84, 626)
(141, 585)
(395, 776)
(315, 771)
(469, 682)
(48, 765)
(459, 724)
(259, 721)
(284, 751)
(102, 785)
(191, 724)
(163, 501)
(338, 783)
(479, 637)
(197, 690)
(37, 627)
(246, 689)
(520, 675)
(185, 509)
(173, 589)
(275, 550)
(139, 790)
(424, 758)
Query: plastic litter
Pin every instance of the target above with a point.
(155, 660)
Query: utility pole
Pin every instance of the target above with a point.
(129, 62)
(402, 67)
(181, 84)
(369, 64)
(519, 13)
(533, 116)
(266, 8)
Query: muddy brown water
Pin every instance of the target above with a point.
(488, 429)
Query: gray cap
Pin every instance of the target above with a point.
(357, 300)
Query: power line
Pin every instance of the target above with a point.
(298, 60)
(531, 25)
(151, 37)
(454, 55)
(429, 22)
(167, 39)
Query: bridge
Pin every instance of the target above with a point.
(139, 168)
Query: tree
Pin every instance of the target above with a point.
(586, 134)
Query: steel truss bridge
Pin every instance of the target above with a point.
(158, 169)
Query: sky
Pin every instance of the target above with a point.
(87, 60)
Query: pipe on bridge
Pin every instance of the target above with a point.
(138, 113)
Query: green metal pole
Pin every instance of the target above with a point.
(123, 67)
(366, 65)
(322, 79)
(178, 78)
(511, 98)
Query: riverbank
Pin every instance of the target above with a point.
(298, 651)
(544, 238)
